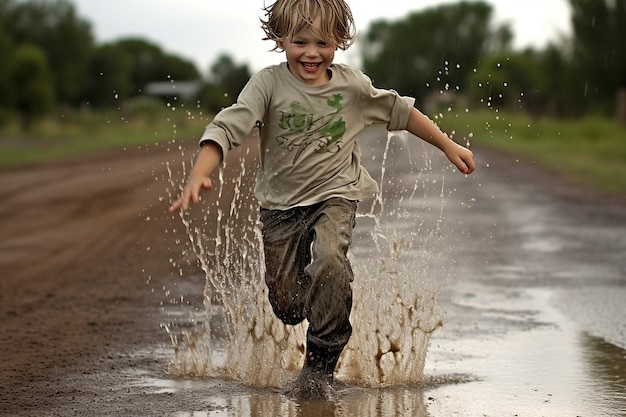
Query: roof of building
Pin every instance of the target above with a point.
(182, 89)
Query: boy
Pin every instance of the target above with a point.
(309, 112)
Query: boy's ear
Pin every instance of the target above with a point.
(280, 45)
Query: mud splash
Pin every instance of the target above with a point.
(395, 299)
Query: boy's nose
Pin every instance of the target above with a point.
(312, 51)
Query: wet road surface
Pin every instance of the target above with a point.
(530, 276)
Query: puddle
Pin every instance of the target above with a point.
(228, 398)
(548, 366)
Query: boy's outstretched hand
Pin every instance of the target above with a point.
(421, 126)
(208, 159)
(191, 193)
(462, 158)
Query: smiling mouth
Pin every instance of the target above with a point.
(310, 67)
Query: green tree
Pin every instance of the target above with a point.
(535, 81)
(437, 48)
(227, 79)
(110, 77)
(229, 76)
(511, 80)
(212, 98)
(65, 39)
(559, 81)
(599, 28)
(120, 70)
(5, 82)
(176, 68)
(31, 82)
(149, 63)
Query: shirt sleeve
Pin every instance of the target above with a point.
(387, 107)
(234, 124)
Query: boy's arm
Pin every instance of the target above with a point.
(208, 159)
(421, 126)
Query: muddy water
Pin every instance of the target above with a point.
(395, 308)
(530, 308)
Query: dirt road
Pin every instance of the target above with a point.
(80, 240)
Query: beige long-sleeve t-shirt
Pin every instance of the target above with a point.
(308, 147)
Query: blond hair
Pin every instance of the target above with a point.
(285, 18)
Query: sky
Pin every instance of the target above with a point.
(201, 30)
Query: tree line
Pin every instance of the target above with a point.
(444, 54)
(50, 60)
(455, 50)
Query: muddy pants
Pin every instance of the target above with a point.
(308, 274)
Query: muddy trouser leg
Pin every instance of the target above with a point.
(308, 274)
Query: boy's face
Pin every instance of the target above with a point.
(309, 56)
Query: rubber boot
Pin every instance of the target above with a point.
(321, 360)
(316, 377)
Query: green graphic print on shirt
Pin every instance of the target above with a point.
(324, 132)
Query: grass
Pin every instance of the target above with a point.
(86, 132)
(590, 151)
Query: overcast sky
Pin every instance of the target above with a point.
(200, 30)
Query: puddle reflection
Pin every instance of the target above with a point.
(351, 402)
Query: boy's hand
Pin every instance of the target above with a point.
(462, 157)
(209, 157)
(191, 193)
(422, 127)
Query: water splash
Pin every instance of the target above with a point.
(395, 295)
